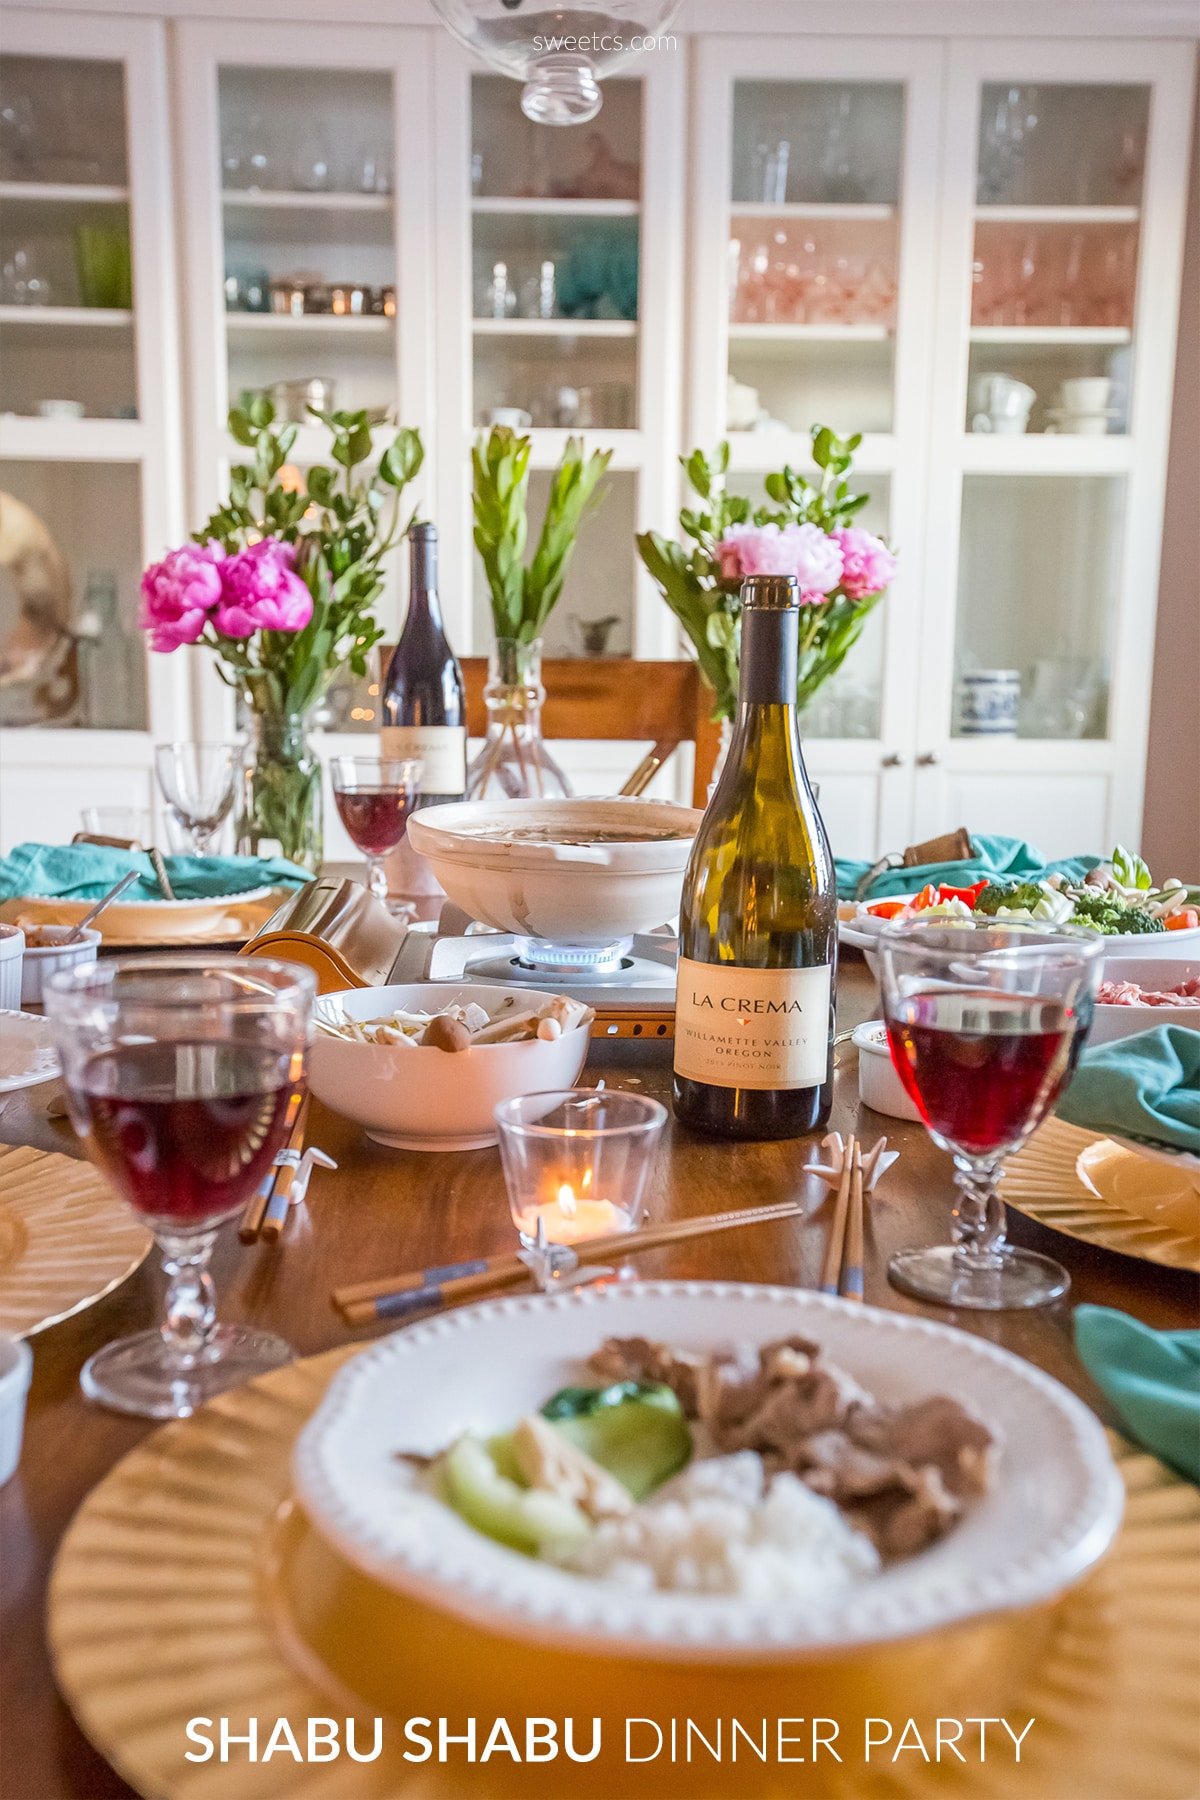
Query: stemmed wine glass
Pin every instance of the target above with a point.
(374, 796)
(985, 1021)
(183, 1075)
(198, 783)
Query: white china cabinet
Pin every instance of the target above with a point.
(90, 422)
(968, 249)
(970, 252)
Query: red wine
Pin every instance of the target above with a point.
(755, 988)
(983, 1066)
(375, 817)
(186, 1131)
(424, 704)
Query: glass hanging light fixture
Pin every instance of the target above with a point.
(560, 51)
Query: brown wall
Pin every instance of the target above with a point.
(1171, 825)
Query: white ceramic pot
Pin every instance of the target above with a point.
(569, 892)
(427, 1099)
(16, 1372)
(50, 955)
(1155, 974)
(12, 955)
(988, 702)
(879, 1086)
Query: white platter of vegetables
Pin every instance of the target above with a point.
(1119, 899)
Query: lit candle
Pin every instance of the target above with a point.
(566, 1218)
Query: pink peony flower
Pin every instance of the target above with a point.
(867, 563)
(179, 593)
(800, 550)
(261, 591)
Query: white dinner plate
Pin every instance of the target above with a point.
(131, 922)
(27, 1053)
(1052, 1513)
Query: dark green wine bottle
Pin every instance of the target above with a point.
(758, 922)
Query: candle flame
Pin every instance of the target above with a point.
(566, 1200)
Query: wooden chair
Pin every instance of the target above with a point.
(616, 698)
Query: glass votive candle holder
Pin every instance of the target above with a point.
(576, 1160)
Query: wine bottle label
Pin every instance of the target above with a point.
(752, 1028)
(442, 749)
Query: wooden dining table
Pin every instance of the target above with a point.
(386, 1211)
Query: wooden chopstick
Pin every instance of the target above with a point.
(279, 1205)
(424, 1289)
(852, 1271)
(831, 1268)
(256, 1209)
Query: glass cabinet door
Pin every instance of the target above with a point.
(307, 162)
(89, 394)
(814, 193)
(1058, 180)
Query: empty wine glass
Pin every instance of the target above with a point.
(198, 783)
(985, 1021)
(183, 1077)
(374, 796)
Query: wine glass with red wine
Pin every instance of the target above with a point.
(374, 796)
(985, 1021)
(183, 1077)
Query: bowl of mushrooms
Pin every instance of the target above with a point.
(422, 1067)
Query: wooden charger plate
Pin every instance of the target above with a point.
(66, 1240)
(189, 1586)
(1082, 1184)
(156, 924)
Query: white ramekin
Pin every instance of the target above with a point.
(12, 954)
(44, 960)
(879, 1086)
(16, 1371)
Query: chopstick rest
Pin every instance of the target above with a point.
(290, 1188)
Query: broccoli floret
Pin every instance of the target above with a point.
(1021, 893)
(1109, 916)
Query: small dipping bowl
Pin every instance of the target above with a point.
(879, 1086)
(12, 956)
(16, 1371)
(576, 1161)
(47, 953)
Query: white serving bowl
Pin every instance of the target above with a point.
(46, 959)
(569, 893)
(879, 1086)
(1052, 1513)
(12, 954)
(1154, 973)
(425, 1099)
(16, 1372)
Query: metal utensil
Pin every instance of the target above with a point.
(643, 775)
(73, 936)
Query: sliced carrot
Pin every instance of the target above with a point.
(1186, 919)
(887, 909)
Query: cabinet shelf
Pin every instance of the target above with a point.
(522, 205)
(303, 200)
(63, 193)
(255, 324)
(1050, 334)
(66, 318)
(862, 211)
(72, 440)
(1057, 215)
(557, 328)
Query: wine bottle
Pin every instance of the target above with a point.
(758, 922)
(424, 707)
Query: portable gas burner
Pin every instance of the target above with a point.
(630, 983)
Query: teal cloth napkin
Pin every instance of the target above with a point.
(85, 871)
(1146, 1086)
(997, 858)
(1151, 1377)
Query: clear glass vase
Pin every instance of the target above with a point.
(280, 808)
(514, 763)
